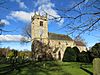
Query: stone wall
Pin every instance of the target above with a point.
(82, 48)
(38, 31)
(96, 66)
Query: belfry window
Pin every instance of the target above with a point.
(41, 23)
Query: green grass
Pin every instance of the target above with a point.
(4, 65)
(88, 67)
(51, 68)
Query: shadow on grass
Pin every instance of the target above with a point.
(81, 67)
(42, 68)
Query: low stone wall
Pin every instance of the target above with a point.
(96, 66)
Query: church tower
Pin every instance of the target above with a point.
(39, 27)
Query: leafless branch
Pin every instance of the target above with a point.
(92, 17)
(70, 9)
(96, 7)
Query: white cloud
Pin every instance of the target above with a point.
(21, 4)
(6, 22)
(20, 15)
(47, 6)
(11, 37)
(43, 5)
(86, 1)
(40, 2)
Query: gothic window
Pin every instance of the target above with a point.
(41, 23)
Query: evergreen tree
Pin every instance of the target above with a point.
(77, 52)
(95, 50)
(69, 55)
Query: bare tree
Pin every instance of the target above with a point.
(80, 18)
(80, 39)
(1, 3)
(26, 34)
(2, 24)
(27, 30)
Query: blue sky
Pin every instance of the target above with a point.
(17, 13)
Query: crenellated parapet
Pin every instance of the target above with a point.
(38, 16)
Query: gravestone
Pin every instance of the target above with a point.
(96, 66)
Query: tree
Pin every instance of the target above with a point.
(80, 39)
(21, 54)
(15, 52)
(84, 57)
(90, 56)
(41, 51)
(69, 55)
(27, 34)
(95, 50)
(2, 24)
(10, 54)
(81, 17)
(1, 27)
(0, 53)
(77, 52)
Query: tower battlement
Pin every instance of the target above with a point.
(39, 26)
(38, 16)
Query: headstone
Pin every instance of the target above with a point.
(96, 66)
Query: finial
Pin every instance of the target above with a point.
(39, 13)
(35, 13)
(46, 15)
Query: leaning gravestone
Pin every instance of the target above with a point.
(96, 66)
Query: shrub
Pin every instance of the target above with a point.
(77, 52)
(69, 55)
(84, 57)
(95, 50)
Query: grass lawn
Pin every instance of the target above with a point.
(88, 67)
(51, 68)
(4, 65)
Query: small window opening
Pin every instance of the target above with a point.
(41, 23)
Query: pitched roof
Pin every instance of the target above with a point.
(79, 43)
(55, 36)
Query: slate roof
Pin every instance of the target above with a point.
(79, 43)
(55, 36)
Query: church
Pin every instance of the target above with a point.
(58, 42)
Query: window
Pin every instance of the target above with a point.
(59, 43)
(41, 23)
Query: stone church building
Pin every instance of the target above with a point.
(59, 42)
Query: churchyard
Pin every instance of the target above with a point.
(46, 68)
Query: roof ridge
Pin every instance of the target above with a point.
(59, 36)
